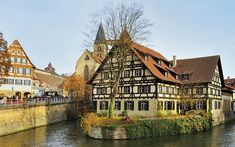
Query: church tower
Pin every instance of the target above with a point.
(100, 47)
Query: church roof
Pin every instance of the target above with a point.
(100, 37)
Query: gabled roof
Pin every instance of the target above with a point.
(152, 65)
(230, 82)
(200, 70)
(17, 43)
(96, 58)
(100, 37)
(49, 78)
(157, 70)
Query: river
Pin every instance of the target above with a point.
(70, 134)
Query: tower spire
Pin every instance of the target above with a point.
(100, 37)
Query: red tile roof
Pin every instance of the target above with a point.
(152, 64)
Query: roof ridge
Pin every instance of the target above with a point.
(202, 57)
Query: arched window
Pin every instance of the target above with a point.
(86, 58)
(86, 72)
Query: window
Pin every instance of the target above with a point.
(126, 89)
(19, 60)
(24, 71)
(94, 105)
(143, 105)
(15, 59)
(86, 73)
(169, 105)
(28, 71)
(138, 72)
(166, 74)
(167, 89)
(129, 105)
(117, 105)
(11, 69)
(18, 81)
(24, 61)
(87, 58)
(211, 90)
(103, 105)
(200, 90)
(159, 89)
(219, 104)
(199, 105)
(215, 105)
(106, 75)
(27, 82)
(144, 89)
(185, 76)
(159, 62)
(10, 81)
(20, 70)
(101, 90)
(126, 73)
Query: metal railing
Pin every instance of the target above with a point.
(13, 103)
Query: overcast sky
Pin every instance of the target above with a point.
(52, 30)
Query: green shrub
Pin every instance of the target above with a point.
(103, 114)
(161, 127)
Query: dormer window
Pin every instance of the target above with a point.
(166, 74)
(159, 62)
(146, 58)
(106, 75)
(185, 77)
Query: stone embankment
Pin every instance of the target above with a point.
(18, 119)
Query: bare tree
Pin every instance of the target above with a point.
(190, 94)
(4, 59)
(117, 18)
(123, 25)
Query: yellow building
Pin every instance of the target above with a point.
(89, 61)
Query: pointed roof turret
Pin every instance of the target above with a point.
(100, 37)
(125, 36)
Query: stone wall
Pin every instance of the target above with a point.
(19, 119)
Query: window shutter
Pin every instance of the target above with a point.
(100, 105)
(204, 105)
(147, 103)
(106, 105)
(125, 105)
(132, 105)
(139, 105)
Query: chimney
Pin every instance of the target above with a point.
(174, 61)
(228, 77)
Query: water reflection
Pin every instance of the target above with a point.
(70, 134)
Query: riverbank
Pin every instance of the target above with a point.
(13, 120)
(69, 133)
(116, 128)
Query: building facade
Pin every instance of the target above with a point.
(89, 61)
(20, 79)
(150, 83)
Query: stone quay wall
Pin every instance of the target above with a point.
(18, 119)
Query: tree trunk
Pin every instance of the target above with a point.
(112, 101)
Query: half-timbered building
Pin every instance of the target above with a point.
(20, 78)
(203, 78)
(148, 83)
